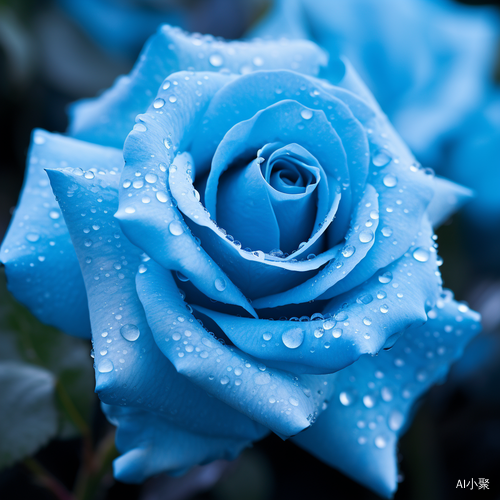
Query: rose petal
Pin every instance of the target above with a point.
(364, 320)
(147, 215)
(374, 397)
(252, 272)
(172, 50)
(150, 444)
(279, 400)
(130, 369)
(448, 198)
(40, 261)
(358, 243)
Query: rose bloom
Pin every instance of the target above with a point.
(263, 233)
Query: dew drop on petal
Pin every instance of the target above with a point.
(220, 284)
(385, 277)
(130, 332)
(158, 103)
(381, 158)
(216, 60)
(32, 237)
(348, 251)
(161, 196)
(346, 398)
(390, 180)
(151, 178)
(395, 420)
(175, 228)
(306, 114)
(366, 236)
(293, 338)
(105, 366)
(421, 254)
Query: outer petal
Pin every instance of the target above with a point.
(150, 444)
(363, 320)
(284, 403)
(172, 50)
(130, 369)
(147, 215)
(448, 198)
(374, 397)
(40, 261)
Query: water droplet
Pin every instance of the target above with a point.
(87, 243)
(54, 214)
(337, 332)
(366, 236)
(306, 114)
(364, 299)
(126, 183)
(32, 237)
(220, 284)
(369, 401)
(381, 158)
(390, 180)
(329, 324)
(151, 178)
(380, 442)
(346, 398)
(348, 251)
(293, 338)
(140, 127)
(386, 231)
(294, 401)
(318, 333)
(89, 174)
(161, 196)
(105, 366)
(386, 394)
(224, 380)
(395, 420)
(384, 308)
(421, 254)
(367, 321)
(385, 277)
(216, 60)
(166, 85)
(158, 103)
(130, 210)
(142, 268)
(130, 332)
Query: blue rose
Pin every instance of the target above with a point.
(429, 63)
(259, 202)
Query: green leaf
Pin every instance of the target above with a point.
(24, 339)
(28, 415)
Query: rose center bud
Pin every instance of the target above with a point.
(271, 202)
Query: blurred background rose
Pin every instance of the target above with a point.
(434, 67)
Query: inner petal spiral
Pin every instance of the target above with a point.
(271, 203)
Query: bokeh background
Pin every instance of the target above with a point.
(54, 52)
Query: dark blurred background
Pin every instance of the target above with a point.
(48, 60)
